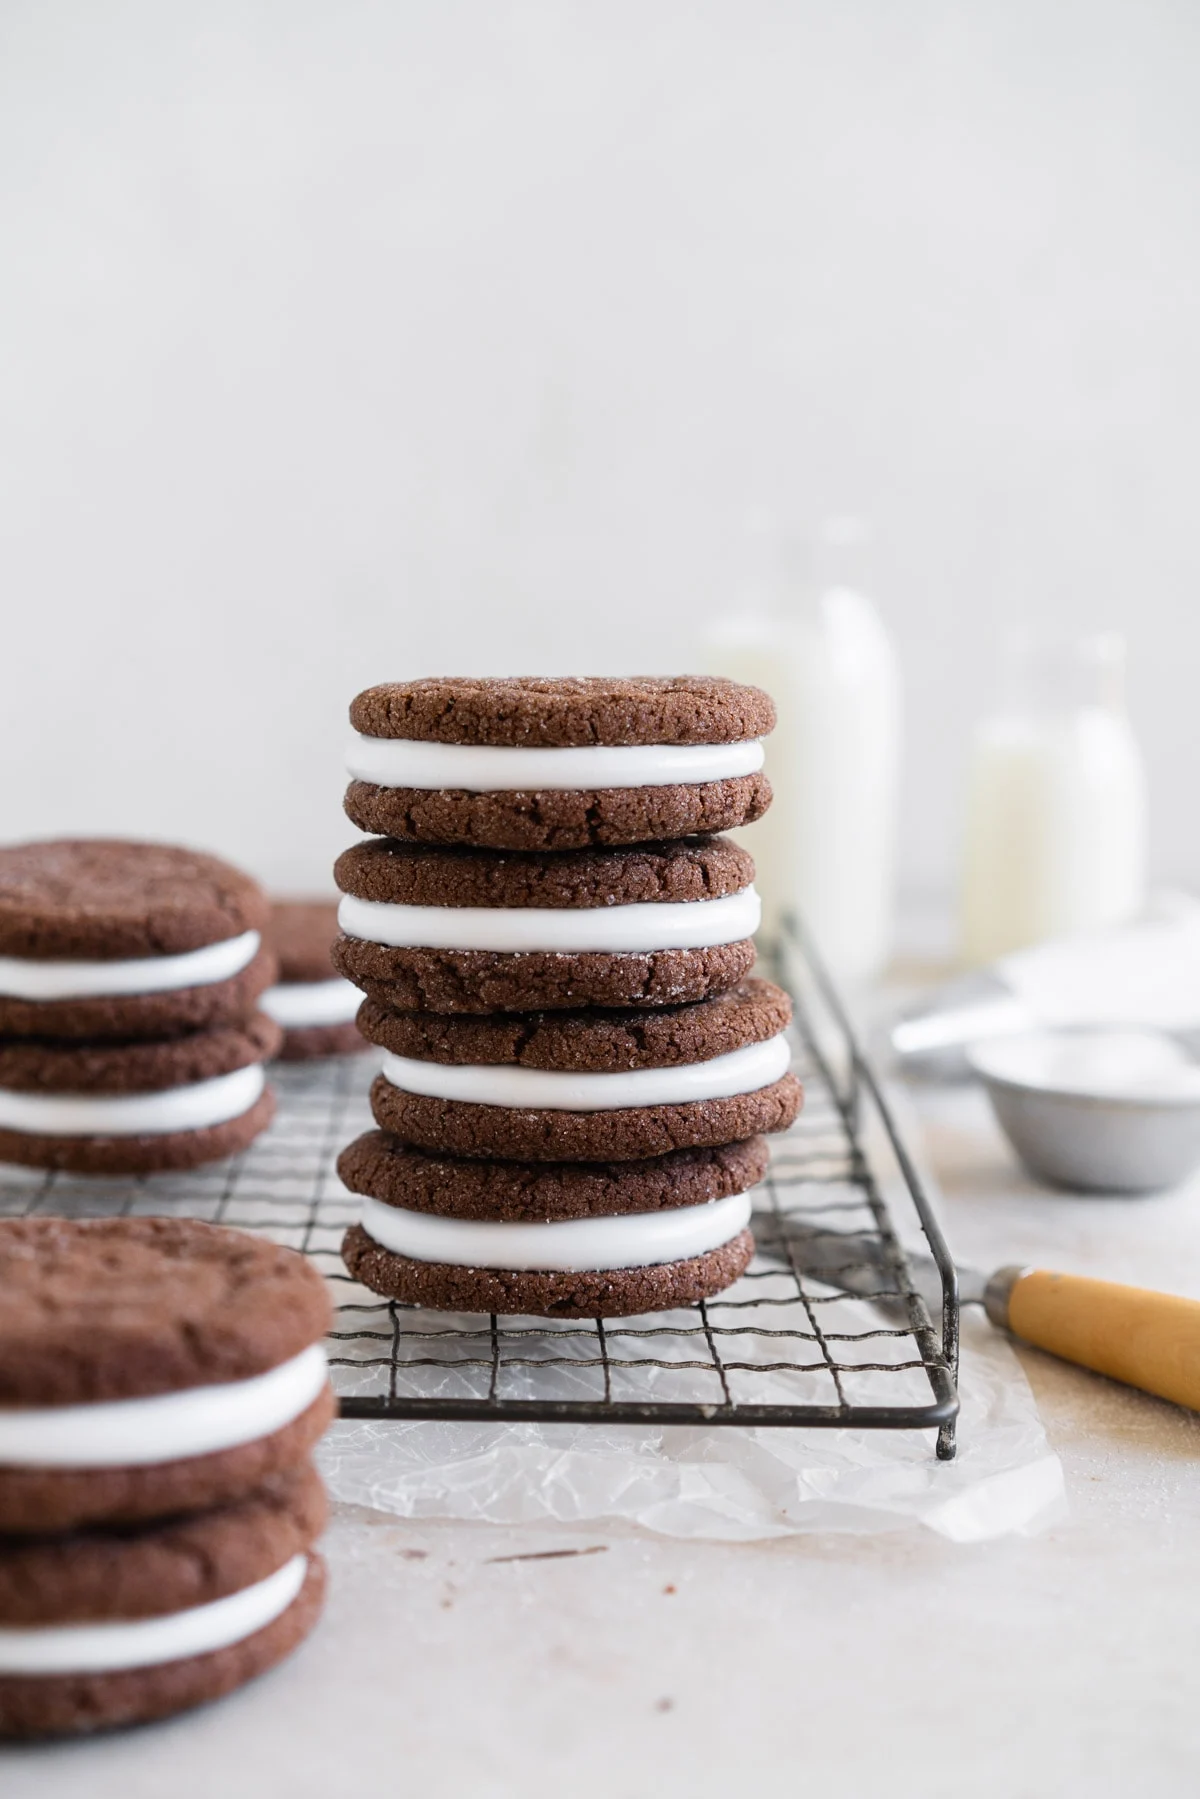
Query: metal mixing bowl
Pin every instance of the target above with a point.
(1130, 1125)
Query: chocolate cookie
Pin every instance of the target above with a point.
(607, 1293)
(44, 1499)
(179, 1612)
(313, 1043)
(163, 1152)
(710, 868)
(135, 1108)
(534, 764)
(559, 712)
(94, 1575)
(73, 1704)
(546, 820)
(31, 1066)
(105, 899)
(121, 1308)
(314, 1006)
(121, 1016)
(130, 1310)
(538, 1192)
(478, 981)
(105, 938)
(601, 1042)
(670, 924)
(300, 933)
(459, 1128)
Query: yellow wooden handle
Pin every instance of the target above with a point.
(1149, 1340)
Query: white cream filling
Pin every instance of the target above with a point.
(575, 1245)
(166, 1427)
(613, 930)
(539, 1089)
(145, 1642)
(296, 1005)
(23, 978)
(192, 1108)
(484, 768)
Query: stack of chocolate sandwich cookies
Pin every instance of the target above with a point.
(130, 1040)
(536, 764)
(578, 1070)
(314, 1008)
(594, 1162)
(161, 1386)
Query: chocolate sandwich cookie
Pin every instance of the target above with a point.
(589, 1087)
(314, 1006)
(100, 1628)
(136, 1108)
(102, 938)
(533, 764)
(468, 930)
(679, 1097)
(151, 1366)
(441, 1232)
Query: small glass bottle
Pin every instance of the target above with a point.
(808, 634)
(1055, 838)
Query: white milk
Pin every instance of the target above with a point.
(1055, 826)
(826, 847)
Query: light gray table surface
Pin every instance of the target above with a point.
(463, 1660)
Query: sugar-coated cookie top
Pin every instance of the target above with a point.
(700, 868)
(103, 899)
(531, 711)
(120, 1308)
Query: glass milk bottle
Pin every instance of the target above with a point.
(826, 847)
(1055, 825)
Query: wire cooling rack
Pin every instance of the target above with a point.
(779, 1348)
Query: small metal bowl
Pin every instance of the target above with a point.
(1095, 1111)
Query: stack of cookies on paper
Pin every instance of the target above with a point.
(130, 1039)
(161, 1386)
(556, 950)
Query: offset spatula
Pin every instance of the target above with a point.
(1146, 1339)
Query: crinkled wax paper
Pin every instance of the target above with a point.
(727, 1482)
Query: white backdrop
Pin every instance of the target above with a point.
(352, 340)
